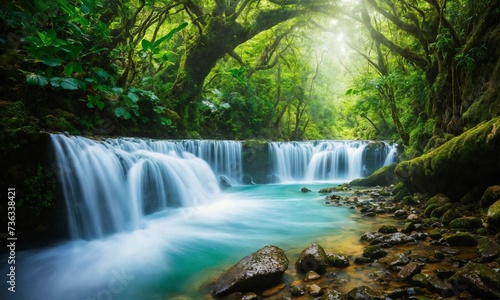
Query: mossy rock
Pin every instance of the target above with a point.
(480, 280)
(435, 234)
(466, 223)
(410, 200)
(384, 177)
(439, 211)
(398, 187)
(461, 239)
(449, 216)
(374, 252)
(430, 208)
(440, 199)
(455, 167)
(493, 216)
(401, 194)
(490, 196)
(387, 229)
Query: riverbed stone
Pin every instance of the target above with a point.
(331, 295)
(337, 260)
(487, 249)
(374, 252)
(461, 239)
(363, 293)
(478, 279)
(466, 223)
(314, 290)
(410, 270)
(440, 286)
(393, 239)
(255, 272)
(387, 229)
(493, 217)
(311, 276)
(313, 258)
(490, 196)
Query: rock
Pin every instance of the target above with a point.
(393, 239)
(298, 290)
(410, 270)
(370, 236)
(461, 239)
(305, 190)
(362, 260)
(387, 229)
(410, 200)
(311, 276)
(374, 252)
(478, 279)
(487, 249)
(419, 280)
(440, 286)
(314, 290)
(313, 258)
(363, 293)
(408, 227)
(331, 295)
(490, 196)
(250, 296)
(466, 223)
(257, 271)
(435, 234)
(326, 190)
(400, 214)
(399, 260)
(414, 218)
(493, 216)
(338, 261)
(442, 169)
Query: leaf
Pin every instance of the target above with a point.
(90, 104)
(101, 73)
(117, 91)
(169, 35)
(133, 96)
(99, 104)
(146, 45)
(72, 68)
(72, 84)
(120, 111)
(35, 79)
(52, 62)
(55, 82)
(47, 37)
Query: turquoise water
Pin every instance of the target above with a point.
(179, 252)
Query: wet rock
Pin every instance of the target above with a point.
(331, 295)
(410, 200)
(314, 290)
(387, 229)
(363, 293)
(397, 294)
(461, 239)
(400, 260)
(488, 249)
(313, 258)
(362, 260)
(410, 270)
(413, 218)
(326, 190)
(437, 285)
(493, 216)
(298, 290)
(400, 214)
(311, 276)
(257, 271)
(370, 214)
(250, 296)
(419, 236)
(305, 190)
(408, 227)
(338, 261)
(374, 252)
(274, 290)
(393, 239)
(370, 236)
(419, 280)
(445, 273)
(479, 280)
(435, 234)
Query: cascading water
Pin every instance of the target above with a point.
(325, 160)
(109, 186)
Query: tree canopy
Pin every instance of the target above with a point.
(413, 71)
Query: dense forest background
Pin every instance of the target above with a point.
(414, 71)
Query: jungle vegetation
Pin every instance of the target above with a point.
(417, 72)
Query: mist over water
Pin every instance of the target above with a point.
(148, 219)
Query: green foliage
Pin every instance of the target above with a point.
(40, 191)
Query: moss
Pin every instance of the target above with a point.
(374, 252)
(435, 234)
(439, 211)
(430, 208)
(493, 216)
(387, 229)
(440, 199)
(458, 165)
(383, 176)
(491, 195)
(466, 223)
(409, 200)
(449, 216)
(461, 239)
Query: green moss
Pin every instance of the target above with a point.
(430, 208)
(409, 200)
(384, 176)
(466, 223)
(493, 216)
(440, 199)
(461, 239)
(449, 216)
(491, 195)
(439, 211)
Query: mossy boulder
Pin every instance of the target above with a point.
(455, 167)
(387, 229)
(384, 177)
(488, 249)
(480, 280)
(493, 216)
(410, 200)
(312, 258)
(461, 239)
(490, 196)
(466, 223)
(337, 260)
(374, 252)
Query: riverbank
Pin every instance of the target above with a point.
(418, 248)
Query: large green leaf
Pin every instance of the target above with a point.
(145, 45)
(133, 96)
(169, 35)
(71, 68)
(35, 79)
(72, 84)
(52, 62)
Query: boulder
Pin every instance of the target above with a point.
(374, 252)
(478, 279)
(337, 260)
(387, 229)
(255, 272)
(488, 249)
(384, 177)
(442, 169)
(437, 285)
(466, 223)
(393, 239)
(461, 239)
(363, 293)
(305, 190)
(493, 216)
(410, 270)
(313, 258)
(490, 196)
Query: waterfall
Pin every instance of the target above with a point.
(327, 160)
(109, 186)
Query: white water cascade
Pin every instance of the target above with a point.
(110, 185)
(325, 160)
